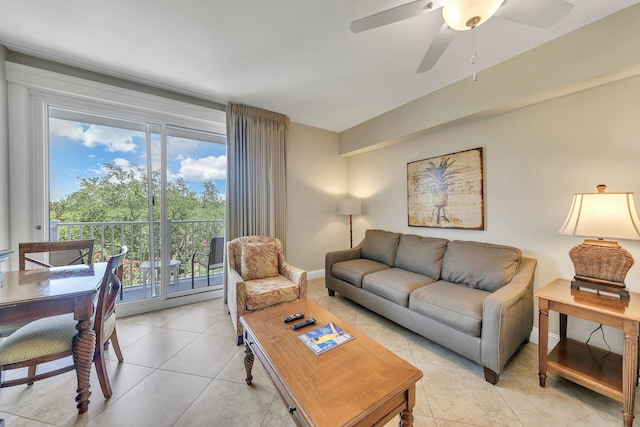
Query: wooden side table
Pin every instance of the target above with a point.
(607, 373)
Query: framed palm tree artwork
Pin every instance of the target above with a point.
(447, 191)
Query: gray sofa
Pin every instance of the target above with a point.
(473, 298)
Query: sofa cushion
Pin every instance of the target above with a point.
(480, 265)
(258, 260)
(454, 305)
(269, 291)
(352, 271)
(421, 255)
(381, 246)
(394, 284)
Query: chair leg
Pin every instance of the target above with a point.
(116, 345)
(193, 273)
(101, 370)
(31, 372)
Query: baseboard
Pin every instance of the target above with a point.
(316, 274)
(553, 338)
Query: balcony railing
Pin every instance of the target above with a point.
(186, 236)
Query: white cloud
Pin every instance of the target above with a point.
(65, 128)
(114, 139)
(204, 169)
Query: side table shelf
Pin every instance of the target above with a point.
(607, 373)
(591, 367)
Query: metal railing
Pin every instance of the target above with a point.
(186, 237)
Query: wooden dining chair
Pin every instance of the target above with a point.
(51, 338)
(60, 253)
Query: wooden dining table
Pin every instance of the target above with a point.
(35, 294)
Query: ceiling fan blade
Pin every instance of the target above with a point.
(395, 14)
(538, 13)
(437, 48)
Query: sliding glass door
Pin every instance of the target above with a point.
(153, 187)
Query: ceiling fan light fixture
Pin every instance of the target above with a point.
(464, 15)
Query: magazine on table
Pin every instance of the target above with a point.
(325, 338)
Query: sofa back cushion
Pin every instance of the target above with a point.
(381, 246)
(421, 255)
(480, 265)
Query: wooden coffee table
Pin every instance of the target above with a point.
(358, 383)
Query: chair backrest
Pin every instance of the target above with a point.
(216, 251)
(109, 289)
(60, 253)
(234, 249)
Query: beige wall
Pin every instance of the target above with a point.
(316, 181)
(535, 159)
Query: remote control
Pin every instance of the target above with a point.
(303, 323)
(293, 317)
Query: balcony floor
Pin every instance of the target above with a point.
(139, 292)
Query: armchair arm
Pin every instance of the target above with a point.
(507, 317)
(236, 297)
(297, 276)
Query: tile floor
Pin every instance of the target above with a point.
(182, 368)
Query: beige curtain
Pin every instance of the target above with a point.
(256, 173)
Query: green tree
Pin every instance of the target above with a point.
(121, 195)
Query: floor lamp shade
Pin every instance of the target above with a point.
(602, 216)
(350, 207)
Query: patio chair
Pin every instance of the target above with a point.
(258, 277)
(212, 260)
(51, 338)
(60, 253)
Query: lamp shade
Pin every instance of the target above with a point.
(603, 215)
(349, 207)
(463, 15)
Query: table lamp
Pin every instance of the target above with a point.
(602, 264)
(350, 207)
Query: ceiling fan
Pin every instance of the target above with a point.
(461, 15)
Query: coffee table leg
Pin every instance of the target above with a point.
(406, 418)
(248, 362)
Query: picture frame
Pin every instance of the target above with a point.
(447, 191)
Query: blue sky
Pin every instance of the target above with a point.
(79, 150)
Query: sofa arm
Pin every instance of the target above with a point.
(297, 276)
(507, 317)
(341, 255)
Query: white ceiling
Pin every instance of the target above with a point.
(296, 57)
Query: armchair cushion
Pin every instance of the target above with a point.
(258, 260)
(261, 293)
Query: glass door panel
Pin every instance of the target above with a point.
(196, 170)
(103, 178)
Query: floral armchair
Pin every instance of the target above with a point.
(260, 277)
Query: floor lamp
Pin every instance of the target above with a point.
(350, 207)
